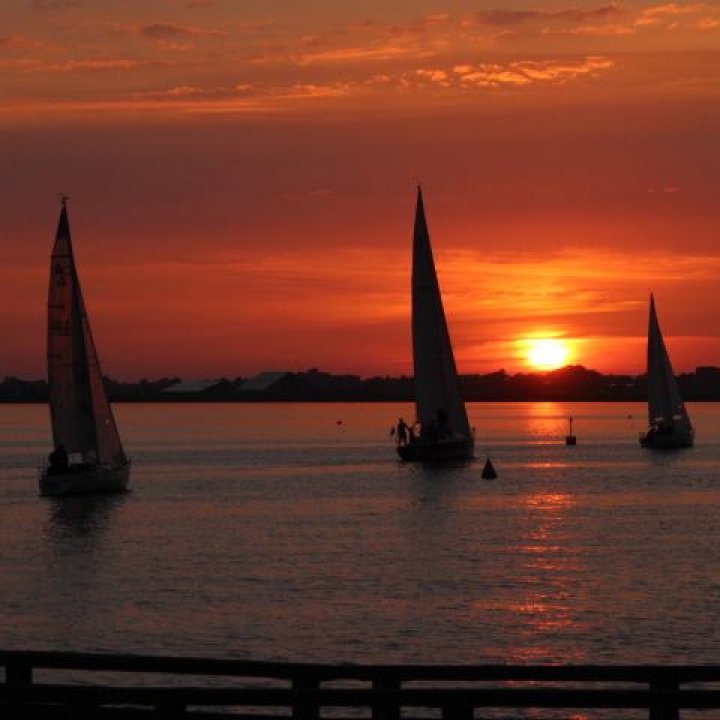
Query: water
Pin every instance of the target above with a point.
(291, 532)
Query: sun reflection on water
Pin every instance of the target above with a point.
(549, 501)
(548, 562)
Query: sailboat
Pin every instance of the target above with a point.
(669, 423)
(88, 455)
(444, 431)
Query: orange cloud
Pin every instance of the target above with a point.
(427, 24)
(438, 58)
(459, 80)
(54, 4)
(94, 65)
(674, 9)
(502, 17)
(193, 92)
(436, 76)
(437, 18)
(165, 31)
(671, 15)
(597, 30)
(351, 54)
(525, 72)
(241, 96)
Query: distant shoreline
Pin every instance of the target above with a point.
(573, 383)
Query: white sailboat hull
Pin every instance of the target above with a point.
(83, 481)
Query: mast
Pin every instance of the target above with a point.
(436, 383)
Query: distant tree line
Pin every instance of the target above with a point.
(572, 383)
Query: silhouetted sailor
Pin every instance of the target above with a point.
(402, 432)
(58, 459)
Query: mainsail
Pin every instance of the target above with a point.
(665, 406)
(80, 413)
(436, 382)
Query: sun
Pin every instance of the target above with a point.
(547, 353)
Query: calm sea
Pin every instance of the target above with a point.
(292, 532)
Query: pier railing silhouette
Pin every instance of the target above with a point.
(87, 685)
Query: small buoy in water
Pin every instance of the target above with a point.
(338, 422)
(488, 472)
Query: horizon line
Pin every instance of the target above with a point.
(315, 370)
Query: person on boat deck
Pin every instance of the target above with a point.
(402, 432)
(663, 427)
(412, 437)
(58, 459)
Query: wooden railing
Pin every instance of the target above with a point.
(80, 685)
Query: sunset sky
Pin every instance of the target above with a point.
(242, 177)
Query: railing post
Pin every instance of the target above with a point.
(305, 702)
(82, 711)
(457, 712)
(663, 708)
(170, 710)
(385, 705)
(18, 673)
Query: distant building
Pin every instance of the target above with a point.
(200, 390)
(302, 386)
(264, 381)
(191, 386)
(276, 385)
(324, 383)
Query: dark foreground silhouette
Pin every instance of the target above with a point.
(174, 687)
